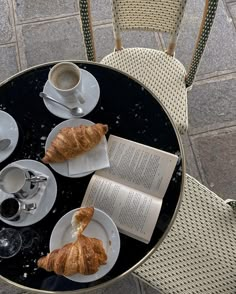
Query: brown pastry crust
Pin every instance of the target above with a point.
(73, 141)
(83, 256)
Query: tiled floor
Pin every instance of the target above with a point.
(33, 32)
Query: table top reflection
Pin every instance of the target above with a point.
(132, 113)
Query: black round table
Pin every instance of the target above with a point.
(142, 119)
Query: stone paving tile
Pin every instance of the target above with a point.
(48, 41)
(8, 61)
(219, 53)
(229, 1)
(8, 289)
(101, 10)
(104, 40)
(216, 158)
(146, 289)
(188, 31)
(212, 103)
(126, 285)
(29, 10)
(140, 39)
(7, 33)
(232, 10)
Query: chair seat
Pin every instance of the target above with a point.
(162, 74)
(198, 254)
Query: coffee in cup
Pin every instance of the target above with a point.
(13, 209)
(65, 78)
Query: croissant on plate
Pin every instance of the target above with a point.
(83, 256)
(73, 141)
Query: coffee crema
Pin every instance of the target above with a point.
(66, 80)
(9, 208)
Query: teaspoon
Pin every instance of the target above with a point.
(37, 179)
(75, 111)
(4, 143)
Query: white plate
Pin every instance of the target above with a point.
(62, 167)
(101, 227)
(8, 130)
(48, 198)
(90, 92)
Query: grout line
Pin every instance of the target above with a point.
(16, 37)
(215, 77)
(107, 25)
(162, 42)
(48, 19)
(211, 130)
(158, 41)
(102, 22)
(8, 43)
(138, 285)
(228, 12)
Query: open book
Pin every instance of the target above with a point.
(131, 190)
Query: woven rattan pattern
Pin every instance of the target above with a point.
(202, 42)
(152, 15)
(162, 74)
(148, 14)
(198, 254)
(86, 28)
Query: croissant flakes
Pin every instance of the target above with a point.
(73, 141)
(83, 256)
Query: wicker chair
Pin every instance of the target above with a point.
(199, 253)
(160, 71)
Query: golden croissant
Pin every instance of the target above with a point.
(73, 141)
(83, 256)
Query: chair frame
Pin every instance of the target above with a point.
(203, 34)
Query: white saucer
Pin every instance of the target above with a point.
(48, 198)
(90, 91)
(101, 227)
(8, 130)
(62, 167)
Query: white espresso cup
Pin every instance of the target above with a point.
(18, 181)
(13, 209)
(65, 78)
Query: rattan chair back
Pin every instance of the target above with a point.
(160, 15)
(147, 15)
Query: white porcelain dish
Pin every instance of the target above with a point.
(8, 130)
(48, 197)
(101, 227)
(90, 92)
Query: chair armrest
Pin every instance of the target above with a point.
(203, 34)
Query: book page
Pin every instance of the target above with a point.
(135, 213)
(138, 166)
